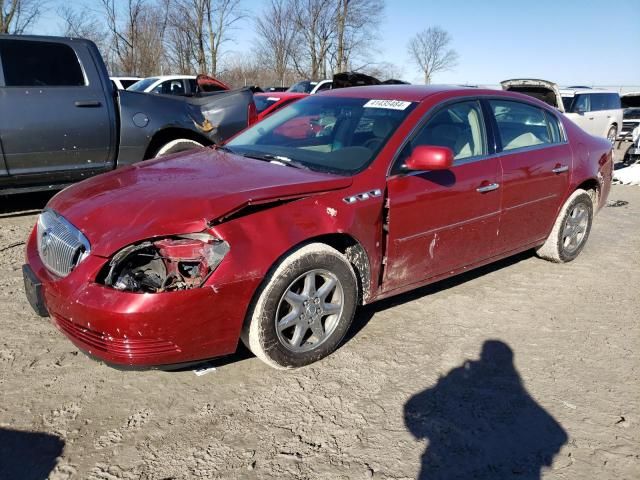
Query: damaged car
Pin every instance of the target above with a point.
(276, 239)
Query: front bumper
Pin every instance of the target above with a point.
(141, 330)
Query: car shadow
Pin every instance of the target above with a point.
(365, 313)
(28, 455)
(480, 422)
(23, 204)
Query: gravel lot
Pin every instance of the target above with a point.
(523, 369)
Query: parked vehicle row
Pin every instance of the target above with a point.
(62, 120)
(276, 238)
(598, 112)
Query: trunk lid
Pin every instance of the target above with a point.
(543, 90)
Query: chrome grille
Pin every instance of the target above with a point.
(61, 246)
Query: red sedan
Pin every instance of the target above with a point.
(277, 239)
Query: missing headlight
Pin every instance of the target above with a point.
(170, 264)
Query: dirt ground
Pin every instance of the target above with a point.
(523, 369)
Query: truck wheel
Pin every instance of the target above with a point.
(304, 309)
(571, 230)
(177, 145)
(612, 134)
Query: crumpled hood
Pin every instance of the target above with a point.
(178, 194)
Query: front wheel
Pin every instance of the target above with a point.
(304, 309)
(612, 134)
(571, 229)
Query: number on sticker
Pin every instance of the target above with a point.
(388, 104)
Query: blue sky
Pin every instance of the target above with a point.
(592, 42)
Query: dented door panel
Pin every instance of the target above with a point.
(439, 221)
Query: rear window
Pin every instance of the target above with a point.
(262, 102)
(40, 64)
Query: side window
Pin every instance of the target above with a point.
(459, 127)
(554, 128)
(520, 125)
(613, 101)
(581, 103)
(599, 101)
(40, 64)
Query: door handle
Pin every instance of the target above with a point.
(560, 169)
(87, 103)
(488, 188)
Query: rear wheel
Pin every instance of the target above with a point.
(612, 134)
(571, 229)
(176, 146)
(304, 310)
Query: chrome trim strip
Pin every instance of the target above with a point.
(447, 227)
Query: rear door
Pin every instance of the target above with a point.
(443, 220)
(54, 116)
(536, 162)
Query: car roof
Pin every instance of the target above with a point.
(407, 93)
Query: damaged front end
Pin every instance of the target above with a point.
(176, 263)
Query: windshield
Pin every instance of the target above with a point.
(330, 134)
(304, 86)
(142, 85)
(262, 102)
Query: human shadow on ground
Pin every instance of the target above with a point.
(28, 455)
(481, 423)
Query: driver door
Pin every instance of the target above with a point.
(441, 221)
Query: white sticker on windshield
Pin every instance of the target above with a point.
(273, 99)
(388, 104)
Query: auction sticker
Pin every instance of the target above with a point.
(388, 104)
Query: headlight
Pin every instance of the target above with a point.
(635, 134)
(175, 263)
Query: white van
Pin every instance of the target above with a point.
(596, 111)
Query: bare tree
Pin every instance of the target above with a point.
(314, 21)
(198, 29)
(16, 16)
(430, 51)
(276, 31)
(356, 22)
(82, 23)
(138, 39)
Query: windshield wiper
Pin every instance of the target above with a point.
(279, 159)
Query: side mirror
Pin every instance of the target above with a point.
(430, 157)
(580, 110)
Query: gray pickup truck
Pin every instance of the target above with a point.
(61, 120)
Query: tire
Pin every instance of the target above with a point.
(612, 134)
(176, 146)
(570, 230)
(285, 332)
